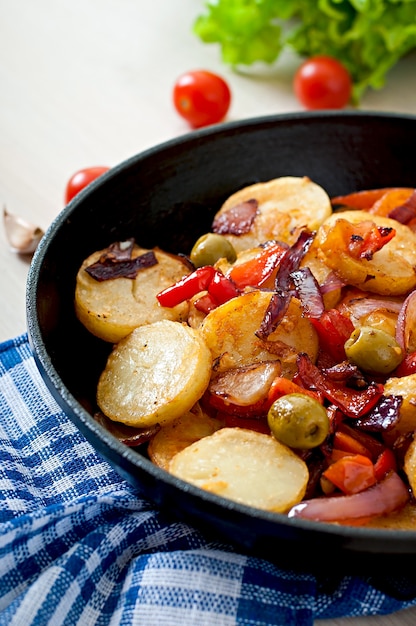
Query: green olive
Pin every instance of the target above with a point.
(211, 247)
(298, 420)
(373, 350)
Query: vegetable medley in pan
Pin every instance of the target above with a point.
(275, 365)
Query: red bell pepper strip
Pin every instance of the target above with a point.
(352, 473)
(205, 303)
(205, 278)
(337, 454)
(390, 203)
(186, 287)
(282, 386)
(352, 402)
(222, 288)
(347, 443)
(373, 446)
(407, 366)
(385, 463)
(374, 200)
(367, 238)
(360, 199)
(333, 330)
(254, 272)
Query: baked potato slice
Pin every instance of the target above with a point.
(245, 466)
(391, 271)
(286, 205)
(179, 434)
(154, 375)
(111, 309)
(229, 332)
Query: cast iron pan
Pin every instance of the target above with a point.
(167, 196)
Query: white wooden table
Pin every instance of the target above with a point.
(88, 82)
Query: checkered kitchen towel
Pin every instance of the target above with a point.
(79, 546)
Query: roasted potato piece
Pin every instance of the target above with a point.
(391, 271)
(245, 466)
(195, 316)
(406, 388)
(229, 332)
(111, 309)
(154, 375)
(285, 206)
(410, 465)
(179, 434)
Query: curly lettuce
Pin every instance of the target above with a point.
(367, 36)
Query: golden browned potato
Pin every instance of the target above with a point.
(245, 466)
(229, 332)
(154, 375)
(111, 309)
(285, 205)
(391, 271)
(179, 434)
(405, 387)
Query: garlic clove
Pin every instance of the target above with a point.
(22, 236)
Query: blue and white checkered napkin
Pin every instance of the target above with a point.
(79, 546)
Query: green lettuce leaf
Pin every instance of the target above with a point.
(367, 36)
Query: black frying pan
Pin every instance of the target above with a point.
(167, 196)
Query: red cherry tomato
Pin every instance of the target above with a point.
(201, 97)
(81, 179)
(322, 82)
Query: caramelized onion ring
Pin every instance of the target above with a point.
(385, 497)
(406, 322)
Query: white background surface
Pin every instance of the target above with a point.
(88, 82)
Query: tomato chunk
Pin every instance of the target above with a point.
(351, 474)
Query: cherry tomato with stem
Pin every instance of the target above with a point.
(201, 97)
(322, 82)
(81, 179)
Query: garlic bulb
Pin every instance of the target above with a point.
(22, 236)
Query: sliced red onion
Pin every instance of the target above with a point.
(117, 262)
(129, 435)
(237, 220)
(280, 300)
(332, 282)
(292, 258)
(308, 292)
(385, 497)
(406, 324)
(245, 386)
(384, 416)
(360, 307)
(278, 305)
